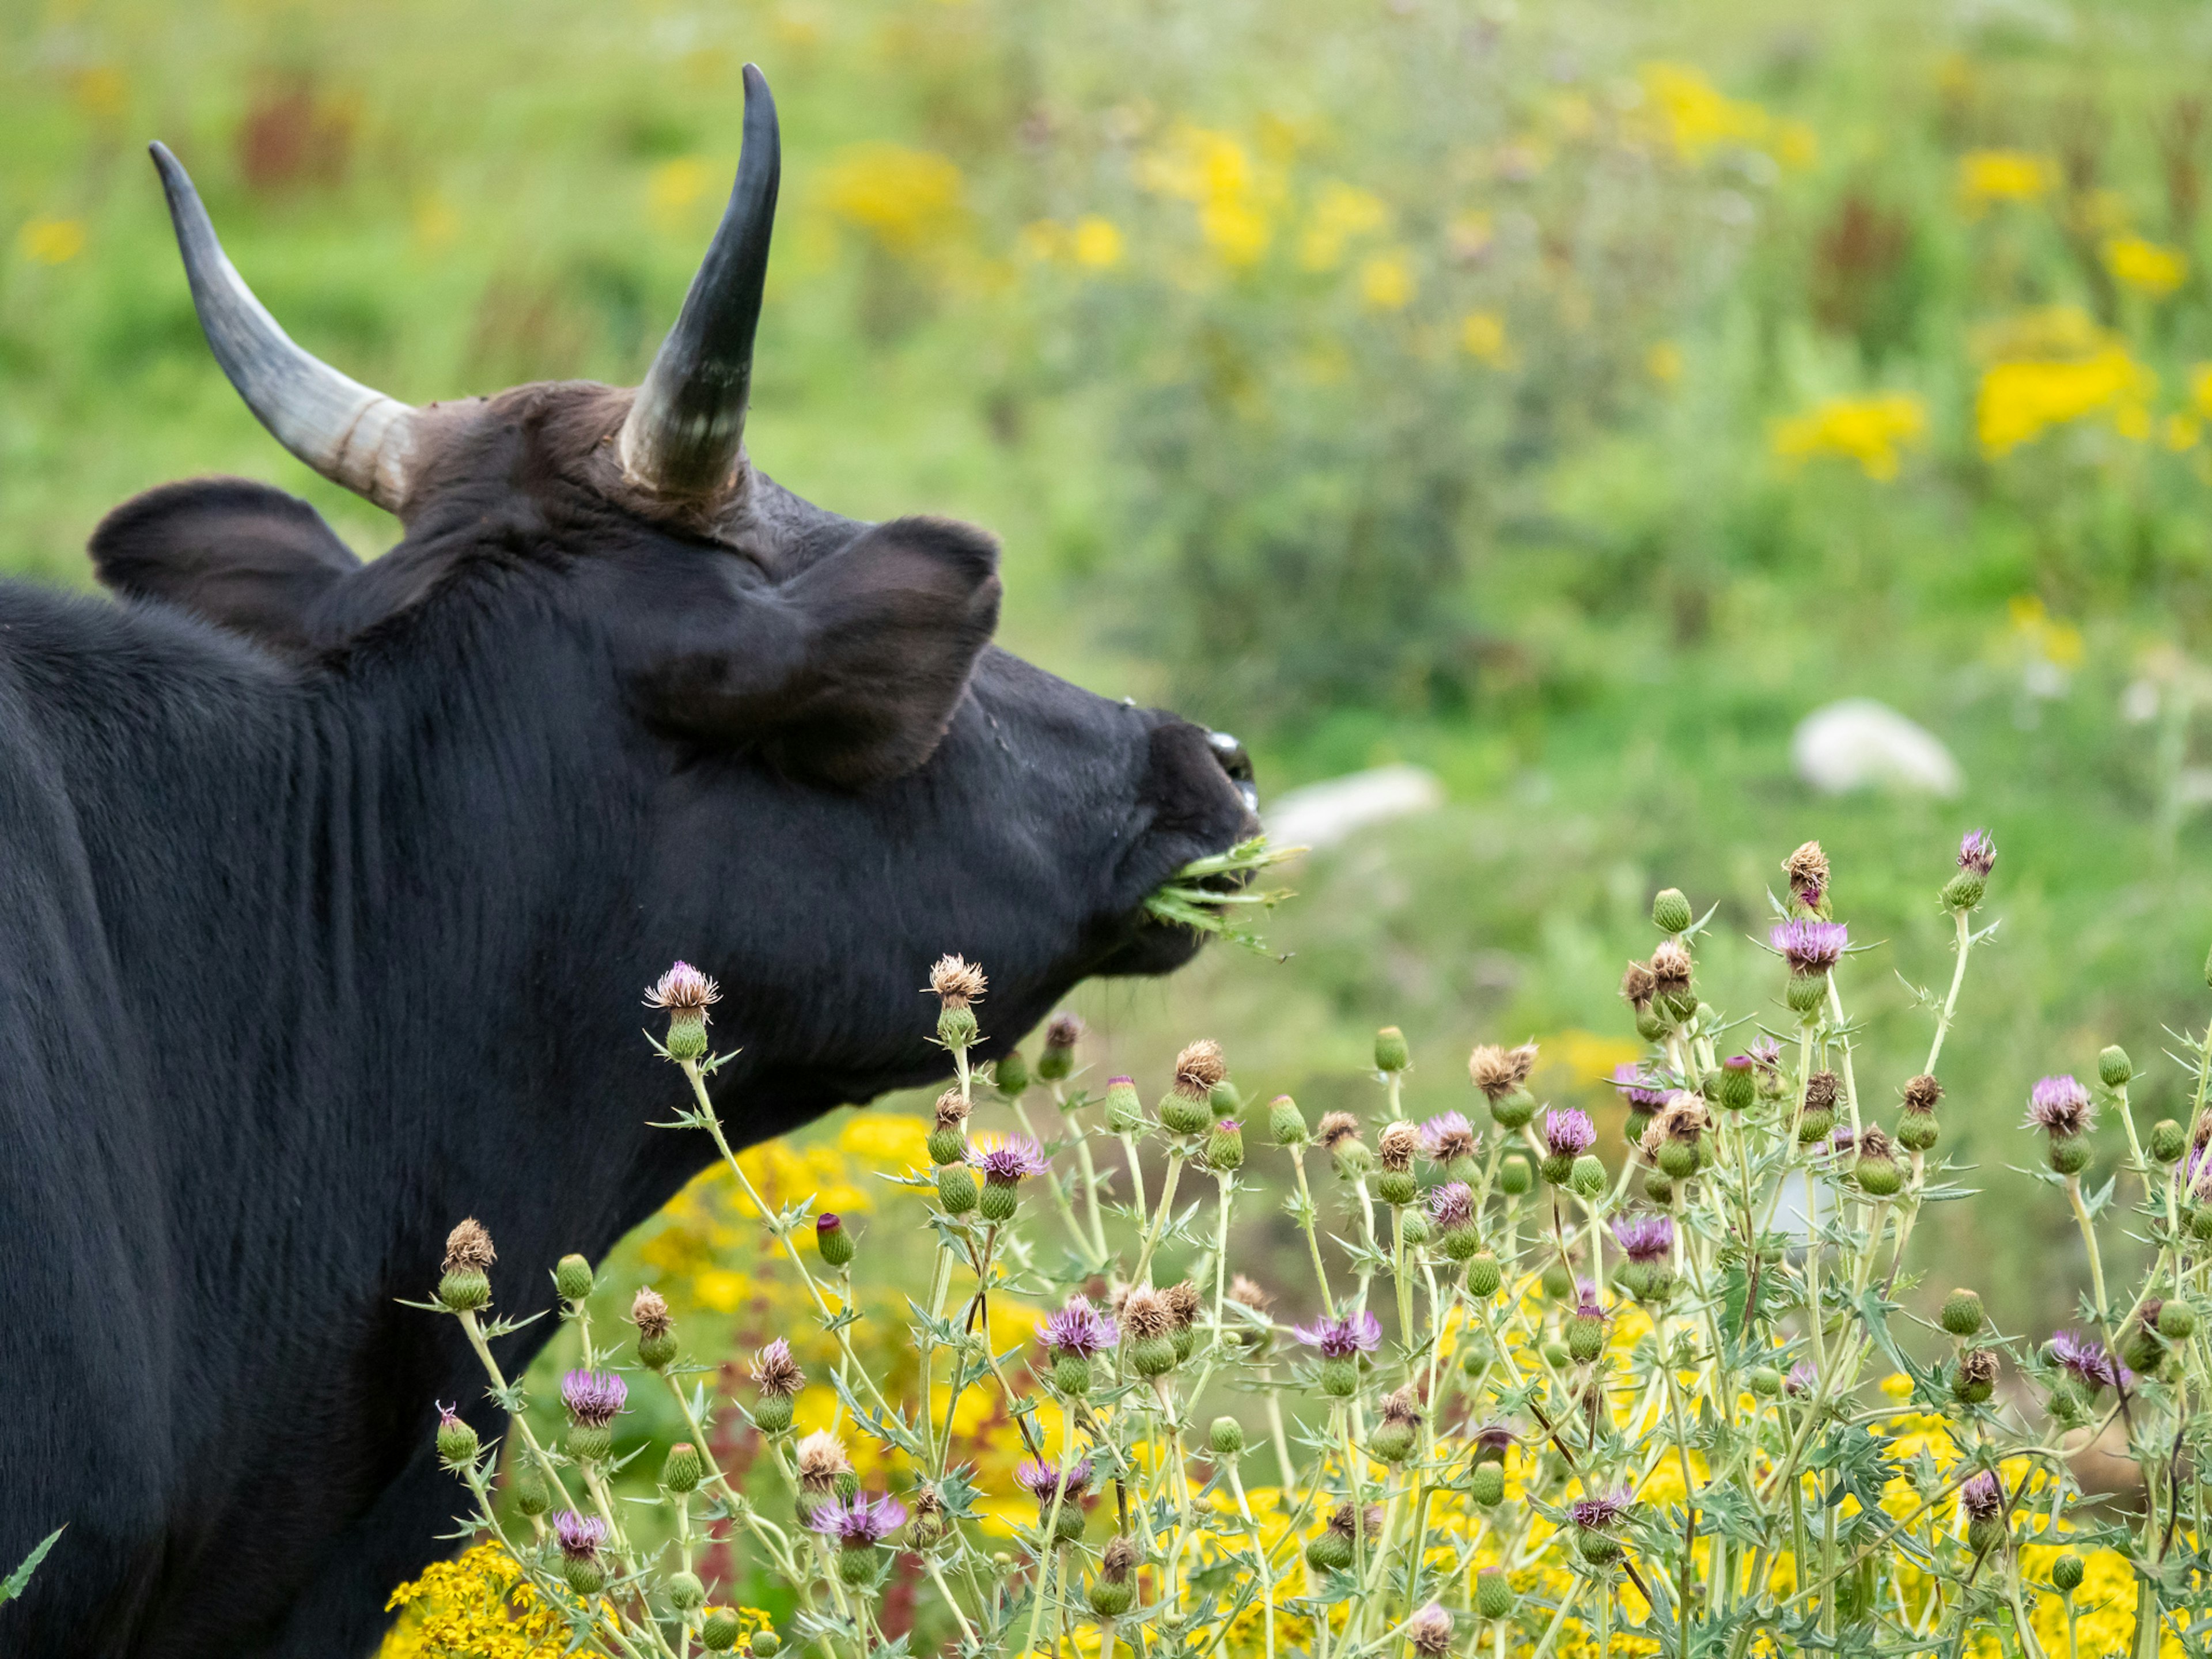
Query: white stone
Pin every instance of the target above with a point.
(1332, 811)
(1859, 743)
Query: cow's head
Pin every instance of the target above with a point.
(842, 776)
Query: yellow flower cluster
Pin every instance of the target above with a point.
(1987, 176)
(2141, 264)
(2018, 402)
(908, 199)
(1236, 194)
(1092, 243)
(477, 1607)
(1696, 118)
(1869, 430)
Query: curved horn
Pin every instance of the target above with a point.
(685, 432)
(350, 435)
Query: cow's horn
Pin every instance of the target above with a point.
(350, 435)
(684, 434)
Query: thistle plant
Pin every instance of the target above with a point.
(1551, 1393)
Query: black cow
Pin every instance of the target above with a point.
(330, 890)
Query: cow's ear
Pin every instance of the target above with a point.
(243, 556)
(849, 673)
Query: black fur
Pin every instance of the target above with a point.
(330, 894)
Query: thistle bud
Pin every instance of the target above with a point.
(1739, 1083)
(1493, 1594)
(1061, 1033)
(685, 1593)
(1125, 1113)
(1222, 1100)
(765, 1644)
(2066, 1572)
(1012, 1074)
(1963, 891)
(1484, 1276)
(1485, 1484)
(1659, 1186)
(956, 1188)
(1184, 1114)
(1670, 911)
(1285, 1123)
(719, 1630)
(2176, 1321)
(1513, 1110)
(1109, 1598)
(1588, 1176)
(1678, 1159)
(1815, 1126)
(1918, 1132)
(1224, 1147)
(1962, 1313)
(1226, 1436)
(2168, 1141)
(464, 1292)
(1414, 1223)
(530, 1495)
(1515, 1177)
(1876, 1171)
(2071, 1157)
(683, 1469)
(572, 1278)
(833, 1239)
(457, 1441)
(2114, 1069)
(1765, 1381)
(1806, 993)
(1476, 1356)
(1391, 1055)
(1559, 1281)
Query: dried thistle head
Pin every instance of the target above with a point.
(648, 1311)
(821, 1459)
(1639, 985)
(1523, 1061)
(1429, 1631)
(1874, 1143)
(1820, 1092)
(1370, 1523)
(1119, 1559)
(1808, 870)
(1671, 966)
(1400, 1140)
(1336, 1128)
(951, 1110)
(928, 1505)
(1183, 1303)
(775, 1372)
(1979, 1365)
(1684, 1117)
(1402, 1406)
(1063, 1031)
(1145, 1314)
(1922, 1093)
(1199, 1067)
(468, 1247)
(1247, 1294)
(1493, 1070)
(956, 981)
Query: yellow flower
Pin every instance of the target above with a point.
(886, 1140)
(2040, 331)
(1096, 243)
(479, 1607)
(1869, 430)
(2018, 402)
(1235, 196)
(2056, 642)
(2145, 265)
(1482, 337)
(1696, 118)
(50, 241)
(1386, 281)
(1587, 1057)
(906, 198)
(674, 187)
(1664, 362)
(2001, 175)
(1340, 212)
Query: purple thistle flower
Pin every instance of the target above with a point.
(1340, 1339)
(2060, 1107)
(1038, 1479)
(1982, 1498)
(859, 1521)
(2197, 1172)
(2086, 1359)
(1452, 1204)
(594, 1399)
(1802, 1380)
(1015, 1159)
(1811, 947)
(1766, 1054)
(579, 1536)
(1080, 1329)
(1977, 852)
(1587, 1306)
(1596, 1513)
(1493, 1440)
(1569, 1133)
(1645, 1237)
(1642, 1093)
(1446, 1136)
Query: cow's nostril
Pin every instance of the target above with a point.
(1237, 764)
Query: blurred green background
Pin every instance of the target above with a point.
(1565, 399)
